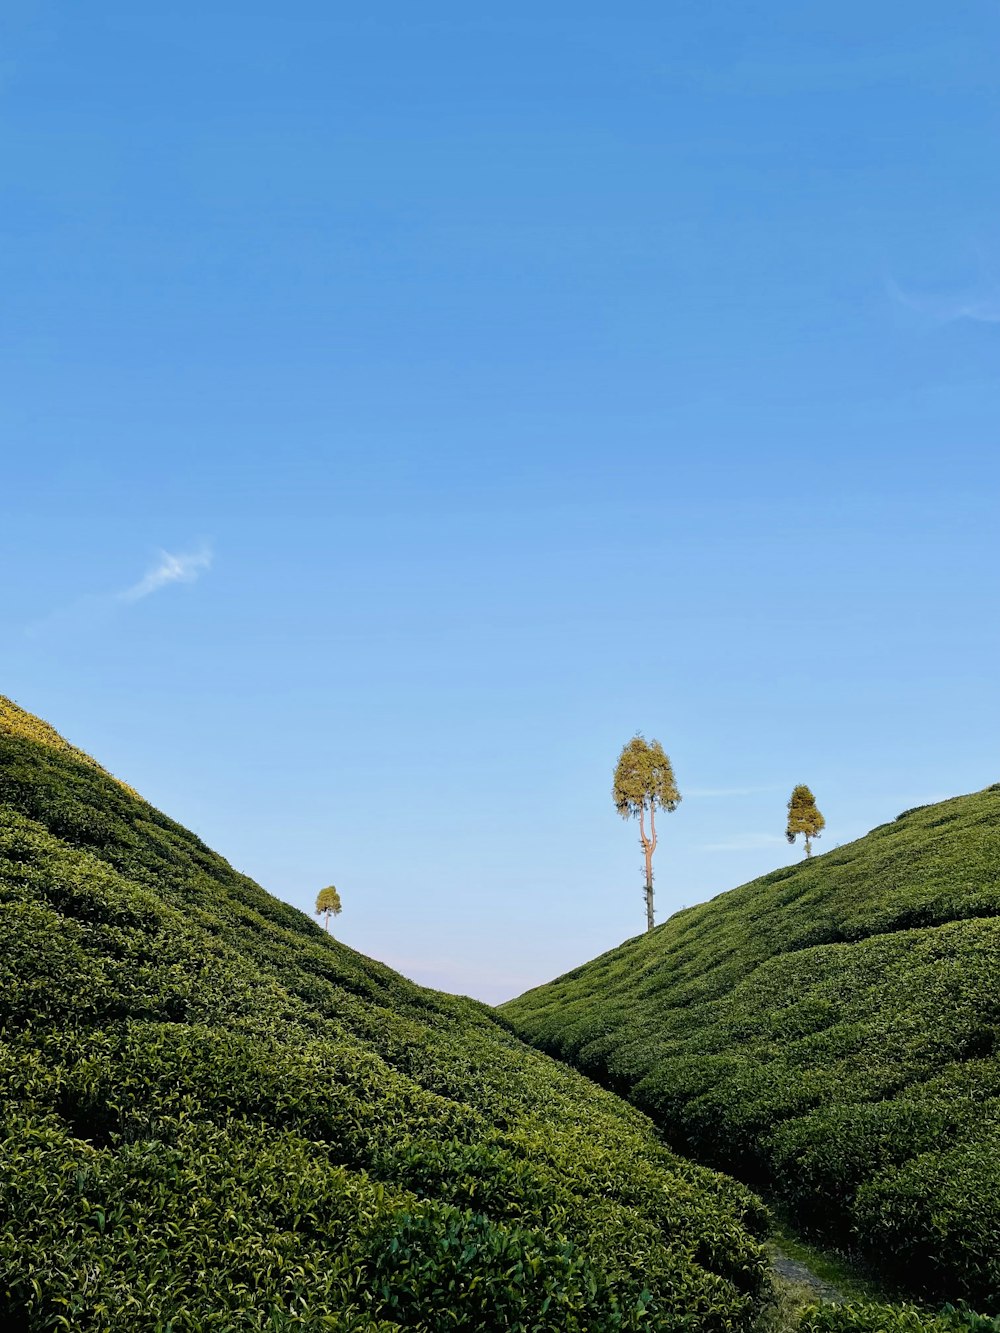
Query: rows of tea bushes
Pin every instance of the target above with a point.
(868, 1317)
(828, 1033)
(214, 1117)
(905, 1318)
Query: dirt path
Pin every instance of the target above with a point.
(793, 1271)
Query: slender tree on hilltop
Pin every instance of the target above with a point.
(644, 783)
(328, 904)
(804, 817)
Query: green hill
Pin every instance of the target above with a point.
(215, 1117)
(828, 1033)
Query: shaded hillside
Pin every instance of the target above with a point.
(829, 1032)
(217, 1118)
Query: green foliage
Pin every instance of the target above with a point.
(328, 903)
(644, 780)
(830, 1032)
(644, 783)
(865, 1318)
(17, 722)
(214, 1117)
(804, 817)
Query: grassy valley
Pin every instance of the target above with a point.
(214, 1117)
(828, 1033)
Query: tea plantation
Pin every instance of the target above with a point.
(214, 1117)
(828, 1033)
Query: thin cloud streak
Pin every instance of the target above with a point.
(744, 842)
(728, 791)
(980, 307)
(97, 609)
(184, 568)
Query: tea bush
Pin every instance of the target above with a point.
(831, 1033)
(873, 1318)
(214, 1117)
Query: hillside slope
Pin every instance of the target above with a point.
(828, 1032)
(214, 1117)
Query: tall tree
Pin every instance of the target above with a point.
(644, 783)
(328, 904)
(804, 817)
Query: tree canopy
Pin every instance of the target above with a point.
(804, 817)
(328, 904)
(644, 783)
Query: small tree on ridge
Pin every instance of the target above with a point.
(328, 904)
(644, 783)
(804, 817)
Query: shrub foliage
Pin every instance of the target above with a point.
(214, 1117)
(830, 1033)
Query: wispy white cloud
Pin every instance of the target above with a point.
(727, 791)
(98, 609)
(183, 568)
(744, 842)
(981, 305)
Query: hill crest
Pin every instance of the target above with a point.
(214, 1116)
(829, 1032)
(17, 721)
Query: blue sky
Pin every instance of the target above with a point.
(402, 405)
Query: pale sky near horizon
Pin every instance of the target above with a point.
(400, 406)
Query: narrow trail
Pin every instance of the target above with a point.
(795, 1272)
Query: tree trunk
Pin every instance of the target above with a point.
(649, 847)
(809, 850)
